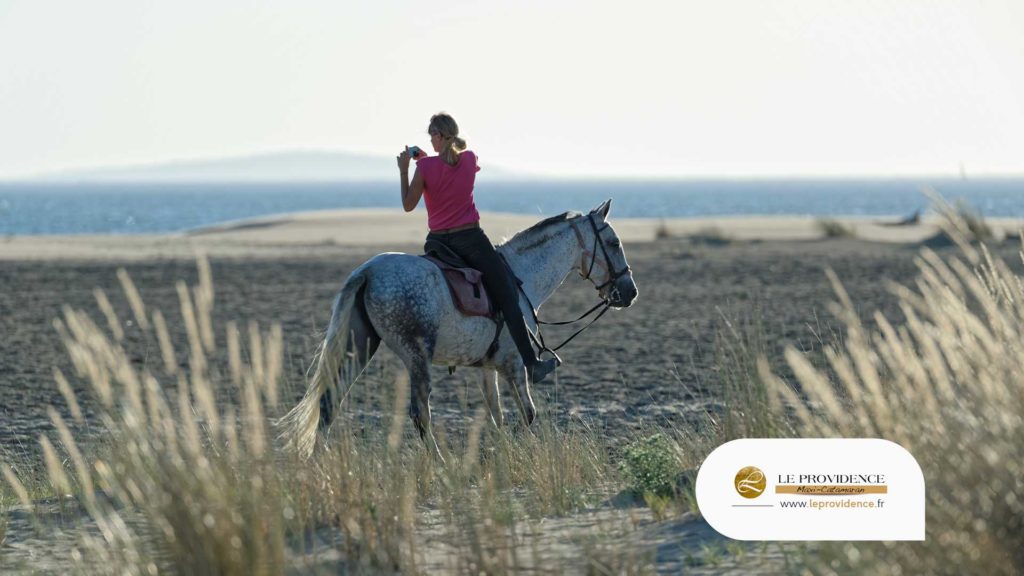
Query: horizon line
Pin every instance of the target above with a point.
(628, 178)
(68, 174)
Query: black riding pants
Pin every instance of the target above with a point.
(476, 249)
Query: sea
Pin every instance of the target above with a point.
(152, 208)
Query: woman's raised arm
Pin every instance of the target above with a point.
(410, 193)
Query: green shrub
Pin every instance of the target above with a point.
(651, 465)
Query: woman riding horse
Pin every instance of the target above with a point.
(446, 184)
(401, 300)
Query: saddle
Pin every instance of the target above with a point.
(465, 284)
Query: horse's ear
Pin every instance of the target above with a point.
(603, 209)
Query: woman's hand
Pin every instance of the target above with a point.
(403, 161)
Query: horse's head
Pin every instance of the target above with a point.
(604, 262)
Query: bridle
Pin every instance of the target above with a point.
(604, 304)
(609, 268)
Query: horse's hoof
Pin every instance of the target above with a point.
(326, 410)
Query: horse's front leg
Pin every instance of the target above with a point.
(489, 384)
(515, 374)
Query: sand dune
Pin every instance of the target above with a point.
(323, 232)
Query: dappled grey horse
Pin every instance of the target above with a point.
(403, 300)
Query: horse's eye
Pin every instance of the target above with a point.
(615, 243)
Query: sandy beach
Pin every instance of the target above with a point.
(760, 279)
(350, 231)
(768, 272)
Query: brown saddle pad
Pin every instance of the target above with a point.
(466, 286)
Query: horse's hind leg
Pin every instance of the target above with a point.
(419, 400)
(492, 395)
(362, 343)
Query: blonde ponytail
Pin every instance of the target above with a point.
(453, 145)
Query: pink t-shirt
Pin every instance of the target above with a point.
(448, 190)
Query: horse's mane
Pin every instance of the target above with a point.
(564, 217)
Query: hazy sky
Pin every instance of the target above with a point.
(687, 88)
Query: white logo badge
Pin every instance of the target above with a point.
(812, 489)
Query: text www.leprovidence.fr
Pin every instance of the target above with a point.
(832, 504)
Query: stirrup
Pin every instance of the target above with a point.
(540, 369)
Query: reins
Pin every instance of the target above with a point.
(538, 339)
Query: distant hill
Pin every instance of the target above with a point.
(302, 166)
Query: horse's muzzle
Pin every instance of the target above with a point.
(622, 297)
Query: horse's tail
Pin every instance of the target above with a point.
(301, 423)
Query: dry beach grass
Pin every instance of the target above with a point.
(163, 433)
(183, 479)
(945, 384)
